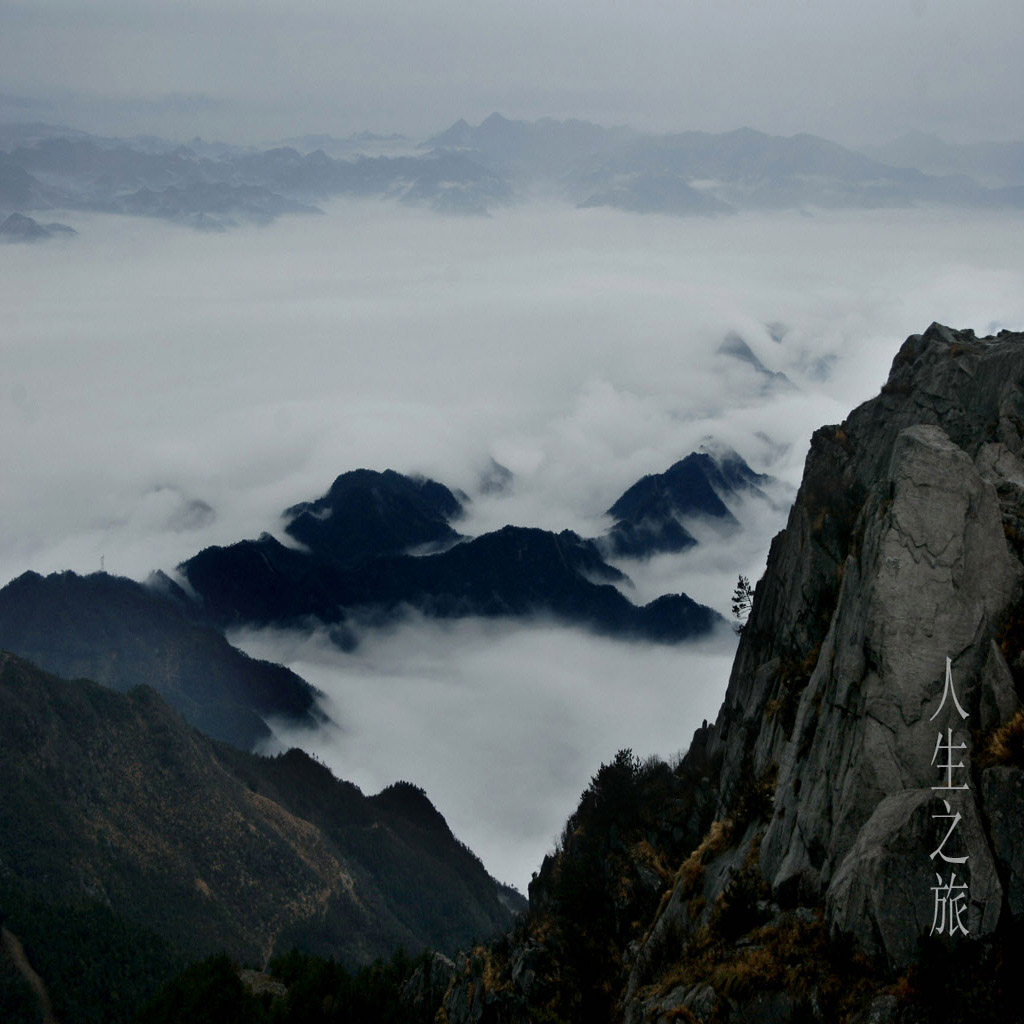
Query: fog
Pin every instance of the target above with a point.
(146, 366)
(164, 390)
(503, 725)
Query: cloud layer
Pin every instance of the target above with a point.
(164, 390)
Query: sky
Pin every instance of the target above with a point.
(149, 367)
(252, 72)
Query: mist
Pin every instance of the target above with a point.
(502, 724)
(165, 390)
(148, 366)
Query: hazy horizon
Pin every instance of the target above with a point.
(242, 73)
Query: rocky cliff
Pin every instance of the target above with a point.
(846, 841)
(899, 553)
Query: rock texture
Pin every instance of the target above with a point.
(901, 550)
(897, 554)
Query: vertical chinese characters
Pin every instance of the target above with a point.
(951, 897)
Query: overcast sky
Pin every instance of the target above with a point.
(246, 71)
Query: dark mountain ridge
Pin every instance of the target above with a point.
(651, 515)
(365, 514)
(120, 633)
(357, 566)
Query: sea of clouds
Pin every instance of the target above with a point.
(164, 390)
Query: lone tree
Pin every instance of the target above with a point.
(742, 597)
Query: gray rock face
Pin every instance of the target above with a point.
(884, 891)
(895, 556)
(429, 984)
(932, 576)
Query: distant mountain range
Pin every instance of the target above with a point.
(473, 169)
(993, 164)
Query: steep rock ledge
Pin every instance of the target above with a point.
(813, 883)
(843, 661)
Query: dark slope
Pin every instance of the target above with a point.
(121, 633)
(650, 515)
(518, 571)
(364, 515)
(118, 816)
(363, 556)
(263, 583)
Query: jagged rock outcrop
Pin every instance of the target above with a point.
(896, 556)
(932, 577)
(901, 550)
(846, 785)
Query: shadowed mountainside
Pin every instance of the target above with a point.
(355, 566)
(650, 516)
(138, 833)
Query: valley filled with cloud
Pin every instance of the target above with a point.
(165, 390)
